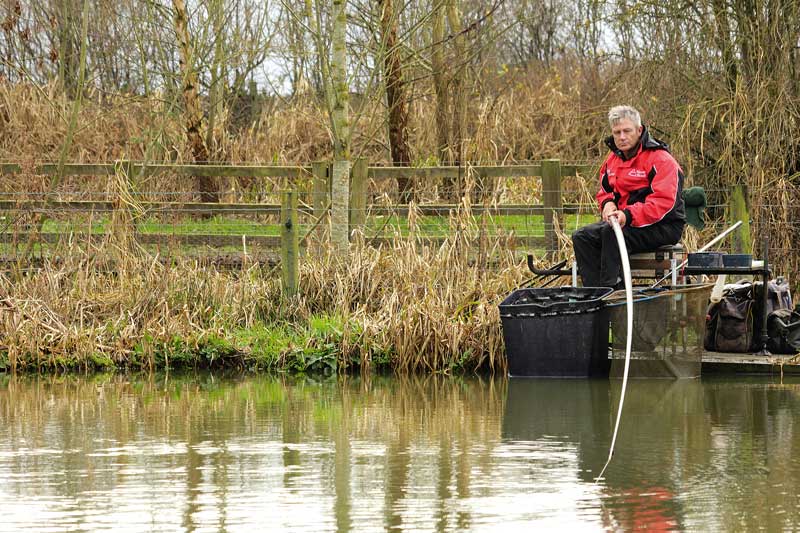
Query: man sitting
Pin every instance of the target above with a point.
(640, 187)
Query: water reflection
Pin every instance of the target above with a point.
(709, 455)
(205, 452)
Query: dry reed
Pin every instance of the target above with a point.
(413, 305)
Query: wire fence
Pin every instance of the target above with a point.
(531, 207)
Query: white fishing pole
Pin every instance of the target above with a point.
(626, 273)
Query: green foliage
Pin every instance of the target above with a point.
(431, 160)
(312, 347)
(266, 344)
(460, 362)
(101, 361)
(327, 325)
(381, 358)
(209, 351)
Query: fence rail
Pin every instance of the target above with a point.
(313, 183)
(299, 171)
(270, 242)
(147, 169)
(305, 204)
(97, 206)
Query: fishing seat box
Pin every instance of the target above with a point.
(653, 265)
(556, 332)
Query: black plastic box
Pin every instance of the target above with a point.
(737, 260)
(705, 259)
(561, 332)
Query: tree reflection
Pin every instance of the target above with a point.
(216, 452)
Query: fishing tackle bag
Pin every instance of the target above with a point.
(729, 322)
(783, 328)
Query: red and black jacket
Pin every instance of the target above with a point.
(647, 187)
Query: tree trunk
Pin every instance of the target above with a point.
(440, 80)
(340, 181)
(440, 90)
(341, 91)
(747, 32)
(191, 100)
(457, 112)
(724, 43)
(296, 24)
(395, 97)
(449, 90)
(457, 84)
(217, 89)
(67, 60)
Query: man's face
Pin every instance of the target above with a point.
(626, 134)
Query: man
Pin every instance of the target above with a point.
(640, 187)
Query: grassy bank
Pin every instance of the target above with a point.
(408, 307)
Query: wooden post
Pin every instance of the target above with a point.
(739, 209)
(551, 198)
(123, 225)
(340, 206)
(358, 195)
(290, 243)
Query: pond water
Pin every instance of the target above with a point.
(211, 453)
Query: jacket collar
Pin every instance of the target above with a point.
(646, 142)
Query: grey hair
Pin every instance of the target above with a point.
(624, 112)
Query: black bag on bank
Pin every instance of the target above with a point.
(729, 322)
(783, 327)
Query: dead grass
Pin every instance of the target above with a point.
(415, 306)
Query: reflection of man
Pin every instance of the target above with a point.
(640, 187)
(643, 509)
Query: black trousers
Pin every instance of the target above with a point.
(597, 252)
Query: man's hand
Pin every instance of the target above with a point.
(620, 216)
(608, 208)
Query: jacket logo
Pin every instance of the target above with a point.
(636, 173)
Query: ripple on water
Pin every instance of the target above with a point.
(442, 455)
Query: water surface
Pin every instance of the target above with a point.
(212, 453)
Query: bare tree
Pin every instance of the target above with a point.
(440, 90)
(191, 100)
(395, 95)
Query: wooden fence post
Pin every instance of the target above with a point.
(290, 243)
(551, 198)
(320, 187)
(340, 207)
(123, 225)
(739, 209)
(358, 195)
